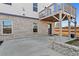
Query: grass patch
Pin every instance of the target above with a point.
(73, 42)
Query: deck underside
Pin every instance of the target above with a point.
(52, 19)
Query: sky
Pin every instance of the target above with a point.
(76, 5)
(7, 22)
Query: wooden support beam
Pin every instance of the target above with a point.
(75, 28)
(60, 24)
(53, 28)
(64, 16)
(69, 17)
(55, 17)
(69, 28)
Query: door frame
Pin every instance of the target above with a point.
(49, 29)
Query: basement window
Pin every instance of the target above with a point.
(7, 27)
(35, 28)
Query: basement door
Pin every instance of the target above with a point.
(49, 29)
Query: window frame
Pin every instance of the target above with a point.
(3, 27)
(35, 27)
(35, 7)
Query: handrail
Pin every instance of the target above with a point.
(64, 7)
(46, 7)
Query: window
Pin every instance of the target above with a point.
(35, 29)
(35, 7)
(57, 24)
(8, 3)
(7, 27)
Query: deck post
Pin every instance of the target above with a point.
(75, 24)
(69, 27)
(53, 28)
(60, 25)
(75, 28)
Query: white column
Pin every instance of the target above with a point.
(75, 28)
(69, 28)
(53, 28)
(60, 24)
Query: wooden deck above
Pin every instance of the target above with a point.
(55, 9)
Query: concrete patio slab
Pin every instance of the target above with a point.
(36, 46)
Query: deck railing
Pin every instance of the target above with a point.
(53, 8)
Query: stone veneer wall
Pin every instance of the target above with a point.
(23, 27)
(65, 49)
